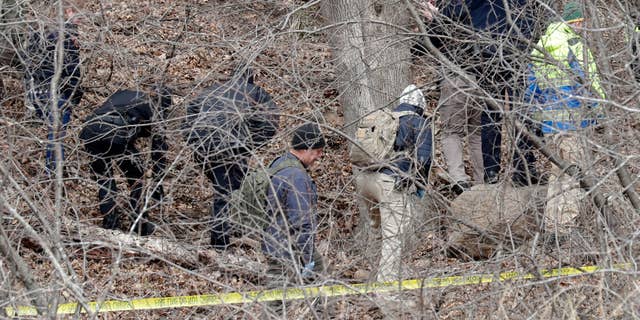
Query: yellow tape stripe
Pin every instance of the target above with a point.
(310, 292)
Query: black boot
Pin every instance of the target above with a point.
(491, 177)
(460, 187)
(144, 228)
(111, 220)
(219, 241)
(524, 179)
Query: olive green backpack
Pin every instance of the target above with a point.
(248, 205)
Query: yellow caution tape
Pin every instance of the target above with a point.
(309, 292)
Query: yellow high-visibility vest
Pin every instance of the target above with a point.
(561, 43)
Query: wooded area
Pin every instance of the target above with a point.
(330, 62)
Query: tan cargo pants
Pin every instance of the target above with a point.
(461, 116)
(395, 212)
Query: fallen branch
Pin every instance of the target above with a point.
(156, 247)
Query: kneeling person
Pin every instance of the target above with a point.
(225, 125)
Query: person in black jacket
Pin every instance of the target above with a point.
(487, 40)
(224, 125)
(40, 68)
(109, 136)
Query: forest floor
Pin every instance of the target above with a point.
(192, 44)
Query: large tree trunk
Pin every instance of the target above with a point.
(372, 60)
(370, 53)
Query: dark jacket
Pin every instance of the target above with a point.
(473, 32)
(126, 116)
(230, 119)
(40, 63)
(292, 209)
(413, 142)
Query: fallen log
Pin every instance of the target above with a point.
(95, 238)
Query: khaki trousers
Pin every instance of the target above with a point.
(564, 193)
(461, 116)
(395, 212)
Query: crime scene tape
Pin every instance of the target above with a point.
(312, 292)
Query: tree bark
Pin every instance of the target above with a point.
(372, 60)
(371, 56)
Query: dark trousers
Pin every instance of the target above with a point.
(226, 176)
(635, 60)
(104, 153)
(523, 161)
(491, 141)
(40, 101)
(53, 136)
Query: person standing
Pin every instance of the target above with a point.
(563, 86)
(109, 136)
(389, 188)
(476, 36)
(51, 100)
(224, 125)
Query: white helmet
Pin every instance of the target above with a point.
(413, 95)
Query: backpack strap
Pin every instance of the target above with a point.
(286, 163)
(398, 115)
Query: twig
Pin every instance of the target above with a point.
(23, 272)
(160, 248)
(586, 182)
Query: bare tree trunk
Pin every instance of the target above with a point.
(370, 53)
(372, 59)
